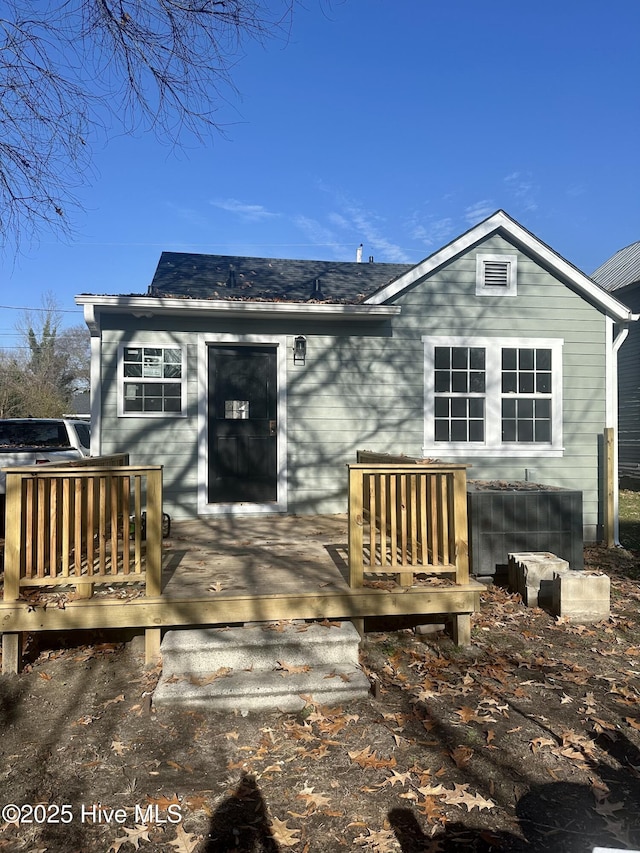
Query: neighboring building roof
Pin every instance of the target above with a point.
(198, 276)
(620, 270)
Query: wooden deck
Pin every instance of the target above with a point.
(234, 556)
(77, 557)
(245, 569)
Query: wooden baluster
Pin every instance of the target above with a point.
(382, 490)
(424, 547)
(393, 511)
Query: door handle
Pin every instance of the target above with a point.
(272, 428)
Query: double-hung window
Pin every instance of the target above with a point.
(152, 380)
(493, 394)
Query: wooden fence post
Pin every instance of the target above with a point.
(153, 636)
(609, 475)
(461, 525)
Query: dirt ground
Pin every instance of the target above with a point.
(529, 740)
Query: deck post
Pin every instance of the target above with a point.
(461, 525)
(11, 653)
(154, 533)
(84, 590)
(13, 537)
(609, 472)
(153, 636)
(152, 640)
(355, 532)
(461, 629)
(12, 642)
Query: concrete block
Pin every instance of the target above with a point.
(430, 629)
(581, 596)
(531, 574)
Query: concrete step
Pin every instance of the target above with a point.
(263, 691)
(261, 667)
(258, 647)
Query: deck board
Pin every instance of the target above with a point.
(230, 557)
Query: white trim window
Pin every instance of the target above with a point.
(152, 381)
(496, 275)
(484, 395)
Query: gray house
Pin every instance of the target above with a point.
(620, 275)
(253, 381)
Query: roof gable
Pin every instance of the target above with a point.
(501, 223)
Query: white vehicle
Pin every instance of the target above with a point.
(31, 441)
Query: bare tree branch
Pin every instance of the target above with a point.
(71, 70)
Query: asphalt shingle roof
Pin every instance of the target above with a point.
(196, 276)
(621, 269)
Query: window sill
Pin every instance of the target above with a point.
(483, 450)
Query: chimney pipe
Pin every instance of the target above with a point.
(359, 254)
(370, 259)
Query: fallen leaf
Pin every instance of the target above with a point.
(538, 742)
(134, 836)
(605, 807)
(402, 778)
(199, 803)
(367, 759)
(380, 841)
(462, 755)
(292, 669)
(185, 842)
(284, 834)
(202, 680)
(313, 801)
(461, 796)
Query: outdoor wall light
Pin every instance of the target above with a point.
(300, 350)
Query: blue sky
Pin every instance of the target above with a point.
(396, 125)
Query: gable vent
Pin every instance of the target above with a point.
(496, 273)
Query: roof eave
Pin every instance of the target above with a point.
(147, 306)
(500, 221)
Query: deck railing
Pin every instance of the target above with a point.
(81, 523)
(407, 519)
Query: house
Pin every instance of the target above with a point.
(254, 381)
(620, 276)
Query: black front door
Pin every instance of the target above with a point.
(242, 424)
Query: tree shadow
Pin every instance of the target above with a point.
(557, 816)
(241, 824)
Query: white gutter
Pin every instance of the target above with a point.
(149, 306)
(613, 347)
(95, 393)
